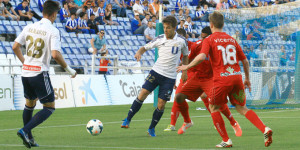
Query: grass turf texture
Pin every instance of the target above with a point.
(66, 130)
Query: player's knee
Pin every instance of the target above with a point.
(143, 94)
(203, 96)
(214, 108)
(179, 98)
(31, 103)
(49, 105)
(241, 109)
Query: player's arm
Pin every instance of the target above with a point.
(241, 56)
(139, 53)
(18, 52)
(143, 49)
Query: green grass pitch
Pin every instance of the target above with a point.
(66, 130)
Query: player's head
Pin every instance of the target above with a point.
(205, 32)
(101, 33)
(65, 5)
(73, 16)
(101, 4)
(216, 20)
(181, 32)
(24, 3)
(92, 17)
(81, 14)
(169, 24)
(50, 9)
(198, 8)
(150, 24)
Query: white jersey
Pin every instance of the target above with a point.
(40, 39)
(169, 52)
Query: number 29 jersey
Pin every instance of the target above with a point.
(224, 53)
(40, 39)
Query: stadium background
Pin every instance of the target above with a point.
(274, 85)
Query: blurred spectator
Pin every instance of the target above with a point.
(181, 24)
(108, 12)
(3, 12)
(180, 15)
(146, 19)
(283, 58)
(236, 36)
(33, 13)
(101, 12)
(72, 6)
(212, 3)
(202, 3)
(81, 9)
(92, 23)
(78, 2)
(173, 13)
(91, 2)
(64, 13)
(98, 43)
(94, 11)
(227, 4)
(146, 7)
(136, 25)
(181, 4)
(40, 4)
(186, 13)
(246, 30)
(149, 32)
(262, 54)
(220, 5)
(292, 58)
(250, 36)
(250, 3)
(10, 11)
(251, 53)
(137, 8)
(188, 30)
(190, 22)
(257, 35)
(104, 63)
(82, 24)
(154, 8)
(198, 14)
(120, 6)
(23, 11)
(71, 25)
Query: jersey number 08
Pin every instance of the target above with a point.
(37, 50)
(227, 54)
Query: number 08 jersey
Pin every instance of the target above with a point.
(225, 54)
(169, 52)
(40, 39)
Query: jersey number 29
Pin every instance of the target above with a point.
(37, 50)
(227, 54)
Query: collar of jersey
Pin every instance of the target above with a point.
(45, 20)
(174, 38)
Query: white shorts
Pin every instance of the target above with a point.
(91, 50)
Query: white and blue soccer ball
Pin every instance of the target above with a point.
(94, 127)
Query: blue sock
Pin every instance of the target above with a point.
(156, 117)
(38, 118)
(27, 115)
(135, 107)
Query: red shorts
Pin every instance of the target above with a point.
(194, 87)
(235, 91)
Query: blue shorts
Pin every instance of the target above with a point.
(165, 85)
(38, 87)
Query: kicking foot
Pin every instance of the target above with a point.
(151, 132)
(24, 136)
(268, 136)
(125, 123)
(170, 128)
(225, 144)
(184, 127)
(237, 129)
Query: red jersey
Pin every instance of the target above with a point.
(104, 63)
(224, 53)
(204, 69)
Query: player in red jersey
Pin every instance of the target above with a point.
(199, 82)
(225, 53)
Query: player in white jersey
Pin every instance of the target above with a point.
(42, 40)
(163, 74)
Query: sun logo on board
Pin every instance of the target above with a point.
(86, 91)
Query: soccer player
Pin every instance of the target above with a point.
(225, 53)
(199, 82)
(163, 74)
(42, 40)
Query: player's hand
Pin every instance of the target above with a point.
(247, 84)
(175, 87)
(71, 71)
(182, 68)
(138, 56)
(184, 77)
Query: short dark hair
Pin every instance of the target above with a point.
(92, 15)
(85, 7)
(64, 3)
(217, 19)
(73, 14)
(24, 1)
(206, 30)
(81, 14)
(50, 7)
(170, 20)
(181, 32)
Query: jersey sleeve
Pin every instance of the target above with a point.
(239, 52)
(21, 39)
(55, 41)
(205, 47)
(193, 53)
(184, 49)
(152, 44)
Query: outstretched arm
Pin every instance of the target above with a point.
(198, 59)
(139, 53)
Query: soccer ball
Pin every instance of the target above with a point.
(94, 127)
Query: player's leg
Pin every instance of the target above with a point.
(157, 114)
(205, 99)
(27, 115)
(174, 116)
(149, 85)
(184, 110)
(219, 98)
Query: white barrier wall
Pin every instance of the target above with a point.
(6, 92)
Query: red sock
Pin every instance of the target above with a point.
(220, 125)
(254, 119)
(205, 101)
(184, 109)
(174, 113)
(226, 112)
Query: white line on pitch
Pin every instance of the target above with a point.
(94, 147)
(203, 116)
